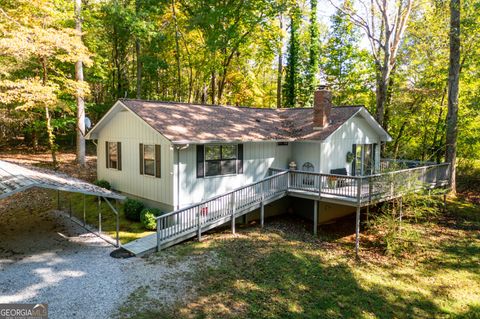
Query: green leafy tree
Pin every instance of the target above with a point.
(290, 87)
(39, 47)
(314, 51)
(346, 67)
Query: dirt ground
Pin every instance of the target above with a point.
(66, 162)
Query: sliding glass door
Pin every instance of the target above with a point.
(364, 162)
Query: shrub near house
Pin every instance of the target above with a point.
(133, 208)
(147, 217)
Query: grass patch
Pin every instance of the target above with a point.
(129, 230)
(282, 272)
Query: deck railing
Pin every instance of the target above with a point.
(389, 164)
(401, 182)
(375, 187)
(225, 206)
(357, 189)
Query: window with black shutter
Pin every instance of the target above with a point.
(240, 159)
(200, 161)
(150, 159)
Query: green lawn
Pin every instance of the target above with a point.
(283, 271)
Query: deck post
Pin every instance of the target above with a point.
(232, 203)
(262, 214)
(199, 235)
(99, 215)
(359, 190)
(84, 211)
(357, 216)
(315, 217)
(262, 206)
(158, 235)
(357, 232)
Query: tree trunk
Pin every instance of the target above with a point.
(453, 88)
(80, 143)
(280, 67)
(51, 135)
(178, 95)
(51, 138)
(381, 93)
(213, 80)
(138, 55)
(139, 68)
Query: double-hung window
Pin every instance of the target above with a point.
(113, 152)
(150, 161)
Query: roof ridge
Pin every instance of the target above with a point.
(234, 106)
(199, 104)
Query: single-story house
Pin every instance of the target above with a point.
(176, 154)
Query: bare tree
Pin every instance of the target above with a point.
(384, 23)
(80, 98)
(453, 89)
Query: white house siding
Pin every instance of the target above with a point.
(126, 128)
(303, 152)
(258, 157)
(334, 149)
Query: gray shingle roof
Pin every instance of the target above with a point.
(184, 122)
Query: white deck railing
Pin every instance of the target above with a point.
(359, 190)
(226, 206)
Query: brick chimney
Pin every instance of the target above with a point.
(322, 105)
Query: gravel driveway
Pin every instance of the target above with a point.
(46, 258)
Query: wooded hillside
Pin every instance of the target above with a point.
(393, 58)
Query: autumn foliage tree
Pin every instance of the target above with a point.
(40, 51)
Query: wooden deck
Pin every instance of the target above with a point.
(357, 191)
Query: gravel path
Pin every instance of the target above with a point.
(46, 258)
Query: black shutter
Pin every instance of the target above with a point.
(140, 153)
(158, 162)
(119, 156)
(240, 159)
(106, 155)
(354, 151)
(200, 161)
(374, 152)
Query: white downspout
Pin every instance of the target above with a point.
(179, 148)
